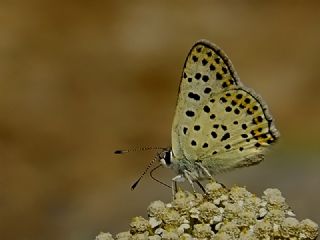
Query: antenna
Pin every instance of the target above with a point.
(135, 184)
(137, 149)
(145, 171)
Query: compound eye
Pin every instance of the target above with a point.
(167, 158)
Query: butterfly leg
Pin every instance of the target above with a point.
(204, 170)
(209, 176)
(202, 187)
(188, 176)
(175, 180)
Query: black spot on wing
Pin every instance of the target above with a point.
(196, 127)
(218, 76)
(207, 90)
(206, 109)
(195, 58)
(228, 109)
(190, 113)
(194, 96)
(197, 76)
(237, 111)
(205, 78)
(214, 134)
(204, 62)
(225, 137)
(212, 116)
(185, 129)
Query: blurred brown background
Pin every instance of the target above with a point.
(80, 79)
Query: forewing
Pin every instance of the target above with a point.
(214, 112)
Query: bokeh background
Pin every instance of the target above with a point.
(81, 79)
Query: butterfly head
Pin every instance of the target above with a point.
(165, 157)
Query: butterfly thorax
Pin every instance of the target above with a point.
(182, 166)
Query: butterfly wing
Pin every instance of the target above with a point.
(217, 120)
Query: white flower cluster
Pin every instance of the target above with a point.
(220, 214)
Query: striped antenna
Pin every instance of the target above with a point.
(144, 172)
(137, 149)
(135, 184)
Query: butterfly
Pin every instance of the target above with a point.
(219, 124)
